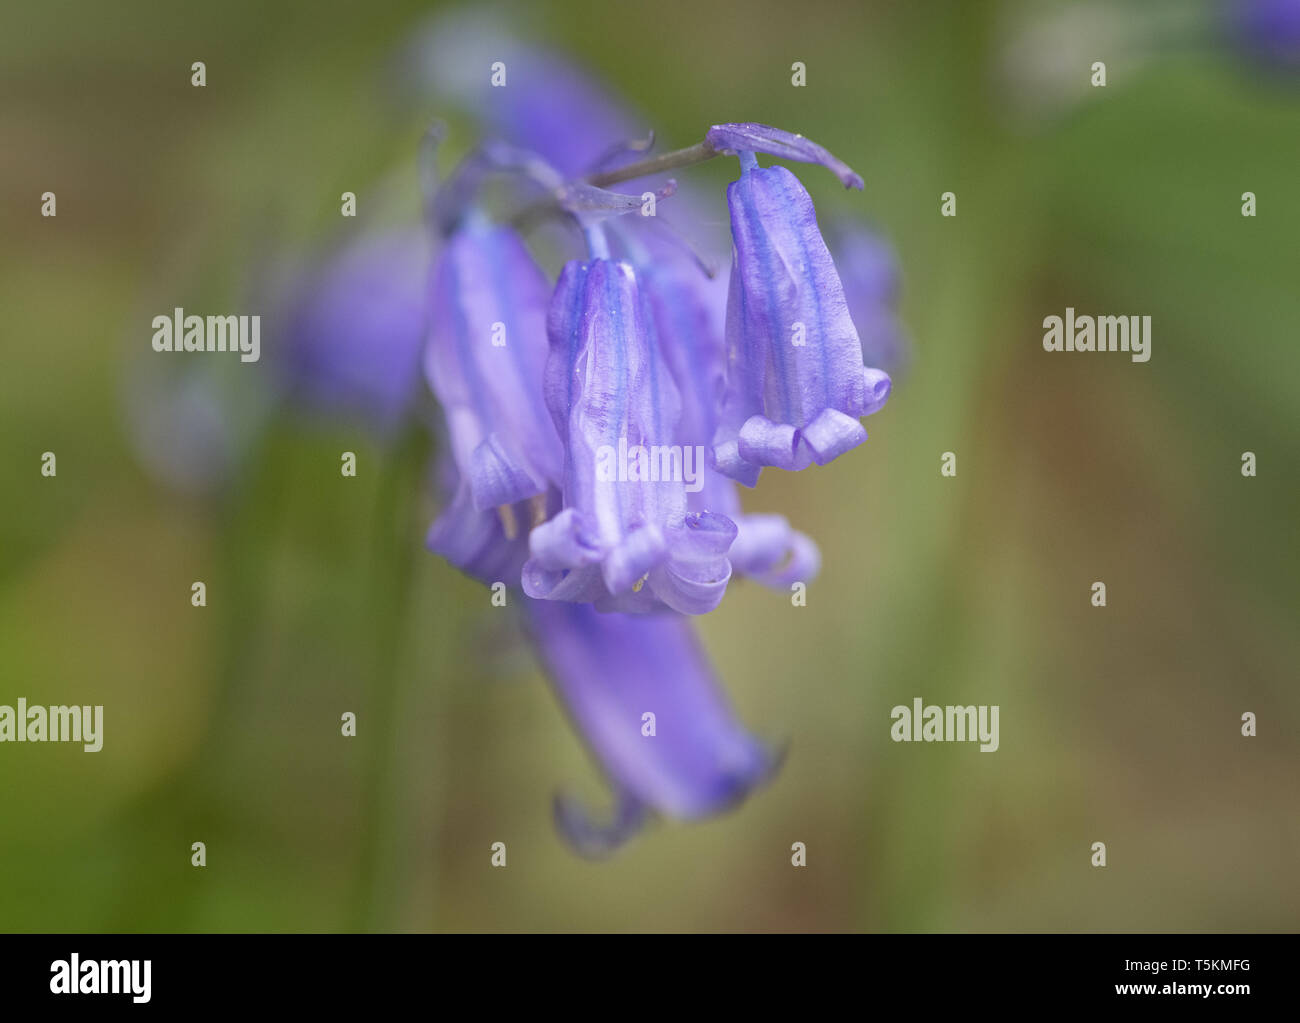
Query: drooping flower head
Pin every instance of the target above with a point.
(689, 758)
(797, 382)
(485, 358)
(625, 539)
(593, 425)
(688, 310)
(596, 427)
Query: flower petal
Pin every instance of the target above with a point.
(869, 271)
(475, 541)
(485, 361)
(355, 330)
(498, 477)
(618, 410)
(544, 103)
(766, 548)
(831, 434)
(592, 839)
(793, 352)
(611, 670)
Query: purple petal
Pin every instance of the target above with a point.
(633, 557)
(764, 442)
(878, 385)
(867, 265)
(355, 330)
(610, 670)
(831, 434)
(793, 352)
(766, 548)
(598, 840)
(694, 578)
(497, 476)
(760, 138)
(608, 394)
(728, 461)
(618, 410)
(546, 105)
(563, 542)
(688, 310)
(800, 560)
(475, 541)
(582, 585)
(1269, 30)
(485, 361)
(869, 271)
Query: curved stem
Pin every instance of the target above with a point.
(697, 153)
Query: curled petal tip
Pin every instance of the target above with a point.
(878, 388)
(796, 382)
(831, 434)
(592, 839)
(771, 552)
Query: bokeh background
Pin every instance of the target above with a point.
(1119, 724)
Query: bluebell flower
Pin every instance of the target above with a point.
(688, 310)
(596, 428)
(797, 384)
(610, 671)
(485, 360)
(355, 330)
(589, 455)
(625, 539)
(547, 105)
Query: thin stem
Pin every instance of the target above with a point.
(382, 841)
(597, 244)
(697, 153)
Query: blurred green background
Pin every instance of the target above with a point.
(1119, 725)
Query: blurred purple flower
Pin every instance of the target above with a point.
(355, 330)
(1268, 29)
(869, 272)
(610, 671)
(546, 104)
